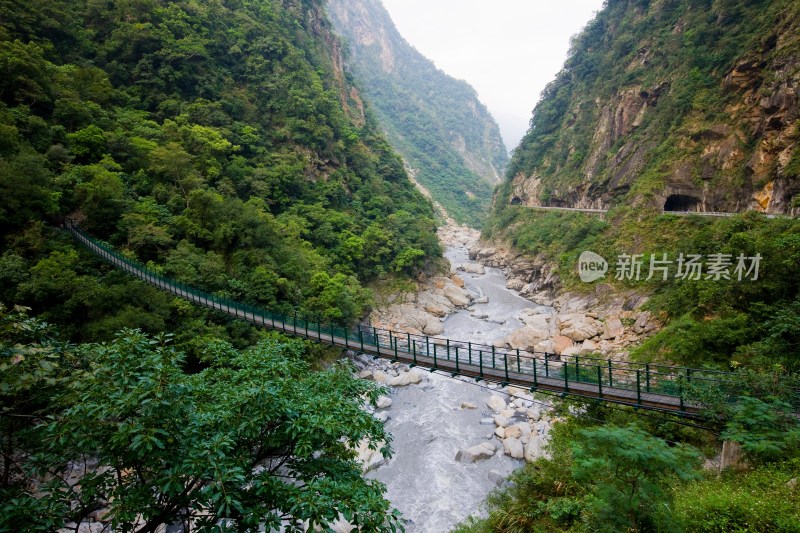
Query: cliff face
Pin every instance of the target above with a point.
(676, 105)
(436, 122)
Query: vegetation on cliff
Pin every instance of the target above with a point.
(436, 122)
(220, 143)
(692, 98)
(677, 105)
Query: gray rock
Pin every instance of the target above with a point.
(383, 402)
(514, 448)
(496, 403)
(500, 421)
(468, 405)
(404, 379)
(480, 452)
(496, 477)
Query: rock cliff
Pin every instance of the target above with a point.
(680, 105)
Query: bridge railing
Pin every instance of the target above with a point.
(479, 360)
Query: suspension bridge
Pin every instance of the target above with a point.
(640, 385)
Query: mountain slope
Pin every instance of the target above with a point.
(688, 105)
(221, 143)
(678, 105)
(436, 122)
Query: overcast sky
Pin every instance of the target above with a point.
(508, 50)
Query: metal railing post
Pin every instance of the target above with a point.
(546, 366)
(610, 374)
(599, 382)
(647, 377)
(638, 387)
(566, 376)
(377, 340)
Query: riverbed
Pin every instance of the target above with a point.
(429, 426)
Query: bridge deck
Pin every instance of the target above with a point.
(611, 383)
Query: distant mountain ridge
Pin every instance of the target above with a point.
(436, 122)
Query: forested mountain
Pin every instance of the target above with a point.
(695, 100)
(436, 122)
(673, 105)
(221, 143)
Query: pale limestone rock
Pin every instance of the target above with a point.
(613, 328)
(512, 432)
(514, 448)
(500, 432)
(379, 376)
(572, 350)
(515, 284)
(547, 346)
(526, 338)
(535, 448)
(383, 402)
(476, 453)
(500, 421)
(508, 413)
(524, 431)
(411, 377)
(458, 296)
(472, 268)
(433, 327)
(588, 347)
(496, 403)
(561, 343)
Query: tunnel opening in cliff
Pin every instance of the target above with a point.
(681, 202)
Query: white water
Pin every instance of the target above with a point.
(423, 479)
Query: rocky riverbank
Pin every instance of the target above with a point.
(603, 322)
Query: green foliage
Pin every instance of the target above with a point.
(628, 472)
(253, 438)
(768, 431)
(758, 501)
(208, 140)
(596, 478)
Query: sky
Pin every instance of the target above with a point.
(508, 50)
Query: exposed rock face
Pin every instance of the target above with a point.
(735, 151)
(583, 324)
(482, 451)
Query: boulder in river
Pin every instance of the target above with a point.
(500, 421)
(496, 403)
(411, 377)
(472, 268)
(383, 402)
(482, 451)
(514, 448)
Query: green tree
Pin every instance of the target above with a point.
(254, 438)
(768, 430)
(628, 471)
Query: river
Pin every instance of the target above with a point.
(424, 481)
